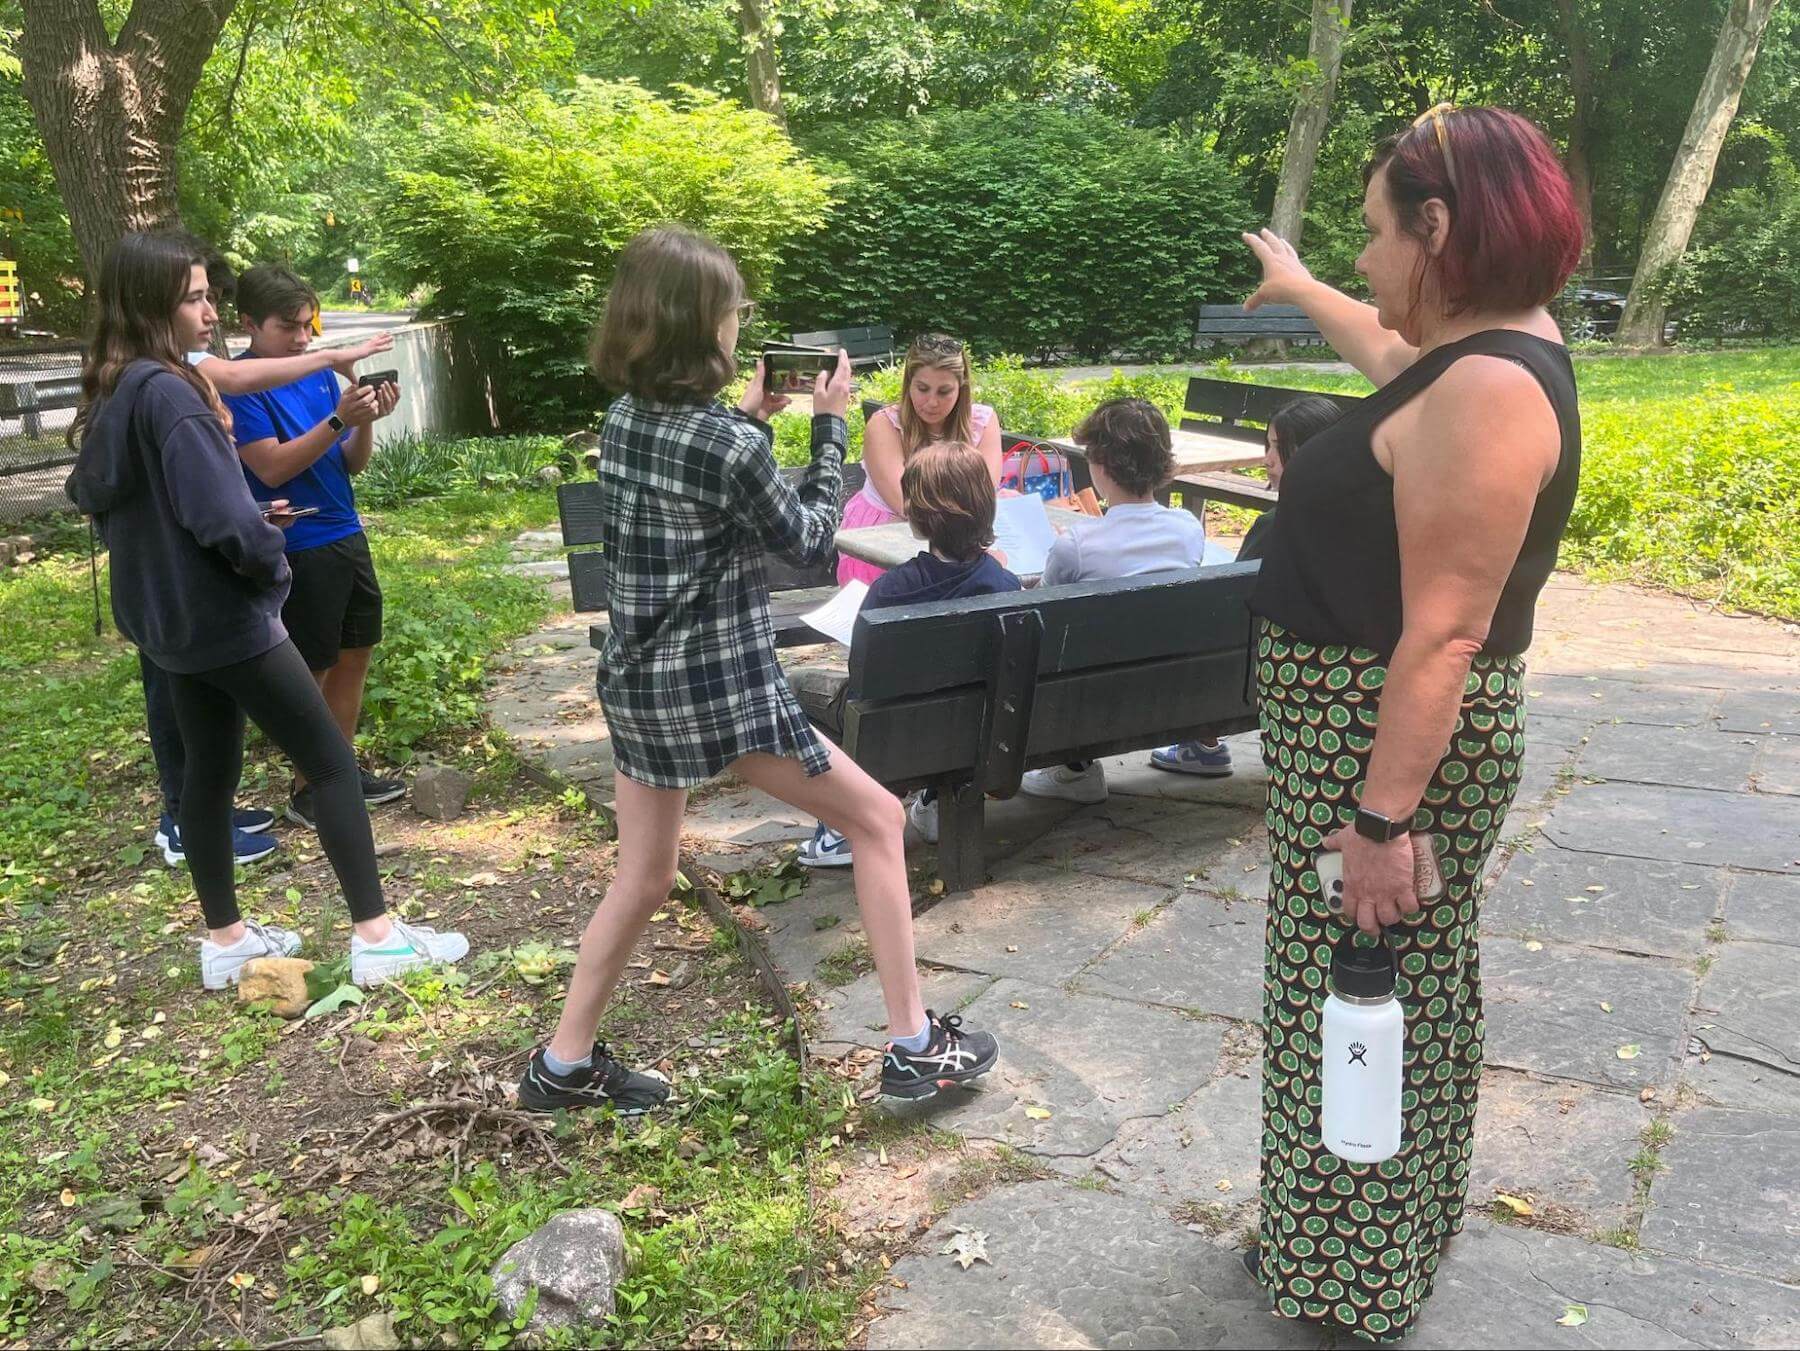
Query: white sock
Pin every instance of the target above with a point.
(918, 1041)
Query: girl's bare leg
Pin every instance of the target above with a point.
(853, 804)
(649, 822)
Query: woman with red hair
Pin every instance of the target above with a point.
(1395, 605)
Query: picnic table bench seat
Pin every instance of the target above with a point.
(966, 695)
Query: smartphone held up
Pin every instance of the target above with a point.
(789, 368)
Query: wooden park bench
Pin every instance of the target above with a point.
(967, 695)
(29, 400)
(793, 590)
(872, 346)
(1231, 324)
(1235, 412)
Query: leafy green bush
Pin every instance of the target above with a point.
(414, 467)
(1025, 229)
(516, 215)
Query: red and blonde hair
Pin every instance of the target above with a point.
(1515, 233)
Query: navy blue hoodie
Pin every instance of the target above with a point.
(926, 577)
(198, 577)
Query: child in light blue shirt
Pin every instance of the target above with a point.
(1131, 455)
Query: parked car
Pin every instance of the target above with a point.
(1589, 312)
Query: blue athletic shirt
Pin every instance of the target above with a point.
(286, 414)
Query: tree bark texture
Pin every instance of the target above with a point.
(111, 110)
(1690, 176)
(1312, 113)
(1581, 122)
(759, 53)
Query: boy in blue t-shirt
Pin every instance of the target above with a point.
(302, 441)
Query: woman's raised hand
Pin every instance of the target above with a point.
(1284, 276)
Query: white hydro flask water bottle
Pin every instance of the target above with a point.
(1362, 1042)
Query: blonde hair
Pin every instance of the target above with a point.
(936, 352)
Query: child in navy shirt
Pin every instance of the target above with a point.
(949, 498)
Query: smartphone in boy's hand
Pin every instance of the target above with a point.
(375, 379)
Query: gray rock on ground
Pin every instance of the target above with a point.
(574, 1261)
(439, 792)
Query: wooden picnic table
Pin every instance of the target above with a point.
(1197, 452)
(890, 545)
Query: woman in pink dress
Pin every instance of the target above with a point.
(936, 404)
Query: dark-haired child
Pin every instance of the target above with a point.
(1289, 429)
(1131, 455)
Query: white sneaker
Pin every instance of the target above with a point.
(1086, 786)
(924, 817)
(220, 967)
(407, 948)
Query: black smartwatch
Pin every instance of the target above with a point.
(335, 422)
(1372, 825)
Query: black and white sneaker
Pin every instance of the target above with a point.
(602, 1082)
(377, 791)
(952, 1056)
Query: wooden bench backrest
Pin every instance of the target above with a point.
(993, 684)
(40, 394)
(1268, 321)
(861, 343)
(1224, 406)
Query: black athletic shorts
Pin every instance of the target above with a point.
(335, 601)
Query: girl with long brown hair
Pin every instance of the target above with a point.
(198, 576)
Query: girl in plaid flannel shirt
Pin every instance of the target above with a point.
(688, 678)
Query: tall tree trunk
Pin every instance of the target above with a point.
(1581, 123)
(111, 112)
(1691, 175)
(1312, 111)
(759, 52)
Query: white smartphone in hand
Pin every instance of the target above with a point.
(1428, 877)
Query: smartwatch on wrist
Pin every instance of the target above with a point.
(335, 422)
(1372, 825)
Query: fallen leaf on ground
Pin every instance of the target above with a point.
(1573, 1316)
(1020, 1004)
(1037, 1113)
(1517, 1204)
(1534, 946)
(1605, 1007)
(967, 1246)
(371, 1283)
(1631, 1052)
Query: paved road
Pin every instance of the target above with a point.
(39, 490)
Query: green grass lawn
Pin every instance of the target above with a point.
(1690, 471)
(177, 1169)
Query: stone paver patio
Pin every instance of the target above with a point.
(1642, 976)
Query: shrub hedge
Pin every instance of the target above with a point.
(1025, 229)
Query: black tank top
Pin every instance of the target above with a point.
(1332, 570)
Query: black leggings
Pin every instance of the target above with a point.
(281, 697)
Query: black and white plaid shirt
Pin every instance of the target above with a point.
(692, 500)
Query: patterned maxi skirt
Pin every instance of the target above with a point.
(1359, 1243)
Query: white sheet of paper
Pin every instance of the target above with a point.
(1023, 532)
(836, 618)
